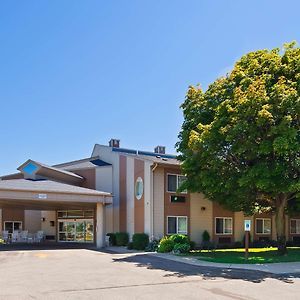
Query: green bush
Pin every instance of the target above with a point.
(112, 239)
(122, 238)
(166, 245)
(179, 238)
(130, 246)
(205, 236)
(140, 241)
(182, 248)
(152, 246)
(1, 241)
(192, 245)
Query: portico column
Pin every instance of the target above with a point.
(100, 225)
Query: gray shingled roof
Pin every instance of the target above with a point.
(48, 186)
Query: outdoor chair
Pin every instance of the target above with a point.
(5, 236)
(23, 236)
(15, 237)
(39, 236)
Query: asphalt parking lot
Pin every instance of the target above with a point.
(88, 274)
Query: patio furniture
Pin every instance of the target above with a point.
(15, 237)
(23, 236)
(5, 236)
(30, 238)
(39, 236)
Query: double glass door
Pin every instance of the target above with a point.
(76, 230)
(12, 226)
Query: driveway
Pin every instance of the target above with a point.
(88, 274)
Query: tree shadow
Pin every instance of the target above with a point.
(181, 270)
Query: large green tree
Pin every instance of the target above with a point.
(240, 139)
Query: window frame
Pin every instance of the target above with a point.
(224, 218)
(177, 217)
(177, 181)
(297, 220)
(263, 226)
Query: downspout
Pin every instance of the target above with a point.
(152, 202)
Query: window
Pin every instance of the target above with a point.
(223, 225)
(295, 226)
(139, 188)
(174, 182)
(263, 226)
(177, 199)
(12, 226)
(177, 225)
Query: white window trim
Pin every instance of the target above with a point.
(187, 225)
(177, 185)
(230, 218)
(263, 229)
(297, 220)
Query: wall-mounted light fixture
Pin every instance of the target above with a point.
(203, 208)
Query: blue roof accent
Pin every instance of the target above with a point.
(30, 168)
(137, 152)
(100, 163)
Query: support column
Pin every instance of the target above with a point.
(100, 234)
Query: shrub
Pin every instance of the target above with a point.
(166, 245)
(112, 239)
(130, 246)
(181, 248)
(152, 246)
(238, 244)
(205, 236)
(122, 238)
(192, 245)
(179, 238)
(140, 241)
(1, 241)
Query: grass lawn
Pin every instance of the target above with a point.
(256, 255)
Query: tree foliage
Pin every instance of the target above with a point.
(240, 141)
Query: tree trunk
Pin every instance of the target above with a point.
(281, 202)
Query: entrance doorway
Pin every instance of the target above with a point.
(76, 230)
(12, 226)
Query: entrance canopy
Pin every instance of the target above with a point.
(48, 195)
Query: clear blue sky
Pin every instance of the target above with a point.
(76, 73)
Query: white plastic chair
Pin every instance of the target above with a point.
(15, 237)
(39, 236)
(5, 236)
(23, 236)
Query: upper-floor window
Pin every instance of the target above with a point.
(174, 182)
(223, 225)
(263, 226)
(177, 199)
(295, 226)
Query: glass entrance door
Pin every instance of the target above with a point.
(76, 231)
(12, 226)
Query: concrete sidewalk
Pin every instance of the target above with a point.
(275, 268)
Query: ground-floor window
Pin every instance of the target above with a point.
(295, 226)
(223, 225)
(177, 224)
(12, 226)
(263, 226)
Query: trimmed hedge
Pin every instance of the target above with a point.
(122, 238)
(112, 239)
(140, 241)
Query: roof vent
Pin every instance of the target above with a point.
(114, 143)
(160, 150)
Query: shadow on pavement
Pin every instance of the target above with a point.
(180, 269)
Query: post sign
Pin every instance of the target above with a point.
(247, 225)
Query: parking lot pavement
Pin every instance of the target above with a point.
(88, 274)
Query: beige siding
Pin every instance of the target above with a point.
(1, 221)
(32, 220)
(238, 226)
(49, 216)
(147, 198)
(201, 217)
(158, 203)
(273, 228)
(130, 195)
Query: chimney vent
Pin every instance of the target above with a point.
(114, 143)
(160, 150)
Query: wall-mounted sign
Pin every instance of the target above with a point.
(247, 224)
(42, 196)
(139, 188)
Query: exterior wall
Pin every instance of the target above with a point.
(219, 211)
(130, 196)
(147, 199)
(123, 194)
(175, 209)
(89, 176)
(45, 226)
(32, 220)
(139, 205)
(1, 228)
(13, 214)
(201, 217)
(239, 230)
(158, 202)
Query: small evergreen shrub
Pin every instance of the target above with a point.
(179, 238)
(122, 238)
(166, 245)
(182, 248)
(192, 245)
(130, 246)
(140, 241)
(205, 236)
(112, 239)
(152, 246)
